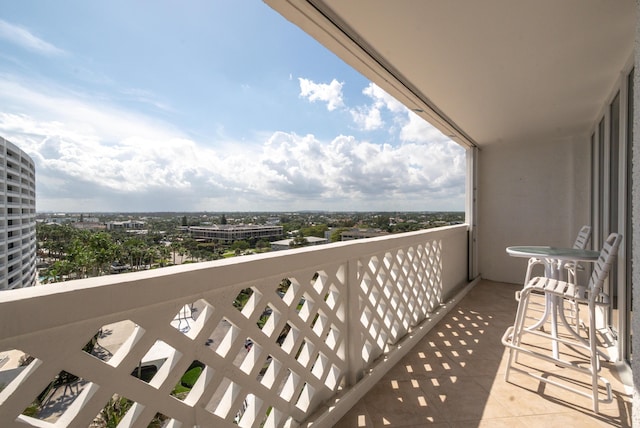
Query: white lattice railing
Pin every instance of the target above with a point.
(273, 340)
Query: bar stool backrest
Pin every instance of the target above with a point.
(603, 264)
(583, 238)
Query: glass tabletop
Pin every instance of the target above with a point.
(557, 253)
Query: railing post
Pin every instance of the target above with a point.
(353, 338)
(471, 211)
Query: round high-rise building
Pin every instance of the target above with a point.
(17, 217)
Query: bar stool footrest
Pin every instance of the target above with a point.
(507, 340)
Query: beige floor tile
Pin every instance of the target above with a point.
(463, 399)
(357, 417)
(478, 361)
(400, 403)
(569, 419)
(455, 378)
(526, 396)
(490, 423)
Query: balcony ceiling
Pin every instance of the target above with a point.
(492, 70)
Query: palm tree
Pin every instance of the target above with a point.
(104, 249)
(80, 256)
(133, 251)
(58, 271)
(163, 252)
(150, 255)
(175, 248)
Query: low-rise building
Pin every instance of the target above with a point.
(352, 234)
(89, 225)
(232, 232)
(125, 225)
(285, 244)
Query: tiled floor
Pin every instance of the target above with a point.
(455, 378)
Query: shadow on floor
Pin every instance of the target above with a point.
(455, 378)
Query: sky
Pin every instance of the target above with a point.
(206, 105)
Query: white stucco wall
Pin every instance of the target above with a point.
(539, 209)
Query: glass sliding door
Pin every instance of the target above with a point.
(599, 233)
(614, 169)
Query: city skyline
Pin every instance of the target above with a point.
(210, 107)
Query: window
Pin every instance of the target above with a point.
(614, 169)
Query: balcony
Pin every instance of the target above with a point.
(283, 339)
(277, 336)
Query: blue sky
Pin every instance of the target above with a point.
(206, 106)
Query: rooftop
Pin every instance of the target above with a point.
(235, 227)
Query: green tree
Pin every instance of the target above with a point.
(58, 271)
(164, 252)
(105, 252)
(298, 241)
(190, 247)
(176, 248)
(55, 239)
(80, 256)
(133, 250)
(381, 222)
(316, 230)
(263, 243)
(240, 245)
(150, 255)
(336, 235)
(208, 250)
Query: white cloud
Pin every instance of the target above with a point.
(23, 38)
(330, 93)
(367, 118)
(286, 172)
(381, 98)
(370, 117)
(410, 127)
(92, 157)
(132, 164)
(80, 113)
(417, 129)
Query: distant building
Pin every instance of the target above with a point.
(273, 220)
(352, 234)
(233, 232)
(59, 219)
(17, 218)
(89, 225)
(125, 225)
(285, 244)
